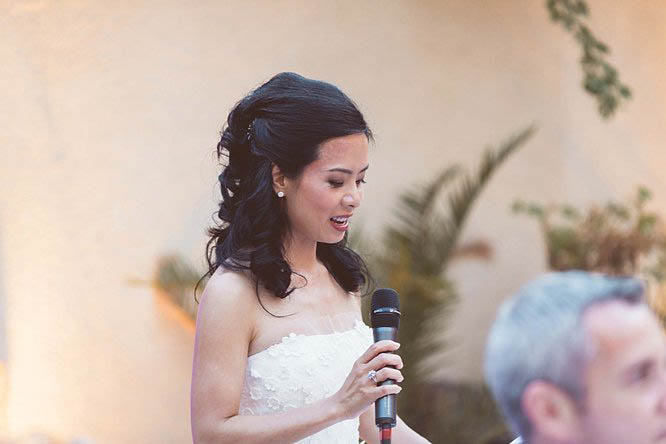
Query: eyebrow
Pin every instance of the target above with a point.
(346, 171)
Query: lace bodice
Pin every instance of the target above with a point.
(302, 369)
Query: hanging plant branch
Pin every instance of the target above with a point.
(601, 79)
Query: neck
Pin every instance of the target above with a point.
(301, 254)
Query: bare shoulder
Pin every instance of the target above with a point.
(224, 330)
(228, 285)
(228, 298)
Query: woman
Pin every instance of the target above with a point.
(281, 354)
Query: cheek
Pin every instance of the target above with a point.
(622, 420)
(622, 409)
(319, 203)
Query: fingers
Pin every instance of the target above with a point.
(389, 373)
(391, 389)
(377, 348)
(358, 390)
(384, 359)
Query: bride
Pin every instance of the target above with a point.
(281, 354)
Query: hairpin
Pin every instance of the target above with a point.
(249, 131)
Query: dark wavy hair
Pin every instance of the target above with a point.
(282, 122)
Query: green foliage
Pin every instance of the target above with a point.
(459, 413)
(176, 279)
(601, 79)
(620, 238)
(418, 247)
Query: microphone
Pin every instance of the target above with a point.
(385, 321)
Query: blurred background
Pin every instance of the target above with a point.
(503, 130)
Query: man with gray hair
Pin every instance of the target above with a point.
(579, 358)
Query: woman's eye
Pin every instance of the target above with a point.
(642, 373)
(338, 184)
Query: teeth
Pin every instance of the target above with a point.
(339, 220)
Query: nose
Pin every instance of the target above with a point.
(661, 406)
(352, 199)
(661, 401)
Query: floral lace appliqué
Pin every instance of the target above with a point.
(302, 369)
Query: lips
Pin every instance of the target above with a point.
(340, 219)
(340, 222)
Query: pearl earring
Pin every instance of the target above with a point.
(280, 193)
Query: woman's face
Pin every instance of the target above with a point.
(323, 198)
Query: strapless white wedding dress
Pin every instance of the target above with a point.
(302, 369)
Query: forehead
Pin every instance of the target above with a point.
(348, 151)
(622, 333)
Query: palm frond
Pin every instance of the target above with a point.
(418, 247)
(478, 248)
(461, 200)
(415, 207)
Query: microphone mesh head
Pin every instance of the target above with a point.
(382, 299)
(385, 298)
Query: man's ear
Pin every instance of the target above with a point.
(279, 180)
(551, 411)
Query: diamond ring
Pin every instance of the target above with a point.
(372, 374)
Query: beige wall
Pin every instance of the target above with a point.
(110, 113)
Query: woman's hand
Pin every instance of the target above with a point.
(358, 390)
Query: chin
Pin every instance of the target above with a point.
(332, 239)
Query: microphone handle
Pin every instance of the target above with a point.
(385, 407)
